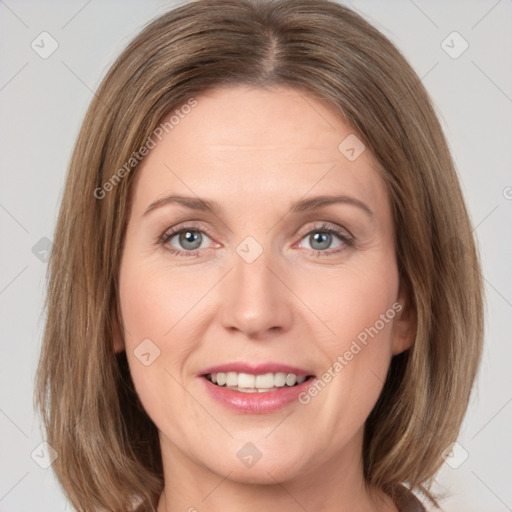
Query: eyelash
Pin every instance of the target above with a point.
(347, 239)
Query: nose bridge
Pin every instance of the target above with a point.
(254, 298)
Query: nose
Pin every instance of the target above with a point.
(255, 298)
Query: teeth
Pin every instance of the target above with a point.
(231, 379)
(249, 383)
(264, 381)
(291, 379)
(245, 380)
(279, 380)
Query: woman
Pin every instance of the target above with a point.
(254, 294)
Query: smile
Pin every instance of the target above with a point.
(249, 383)
(260, 389)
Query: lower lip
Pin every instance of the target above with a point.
(256, 403)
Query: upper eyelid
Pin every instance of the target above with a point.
(200, 227)
(325, 225)
(197, 225)
(319, 226)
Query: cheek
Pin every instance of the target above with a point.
(353, 303)
(359, 308)
(150, 308)
(156, 301)
(145, 307)
(154, 306)
(161, 308)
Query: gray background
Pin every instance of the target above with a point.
(43, 100)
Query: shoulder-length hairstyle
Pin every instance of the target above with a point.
(108, 448)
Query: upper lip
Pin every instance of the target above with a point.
(256, 369)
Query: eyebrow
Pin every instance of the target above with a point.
(196, 203)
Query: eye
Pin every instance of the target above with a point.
(321, 239)
(189, 240)
(186, 241)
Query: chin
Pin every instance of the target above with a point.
(262, 469)
(262, 474)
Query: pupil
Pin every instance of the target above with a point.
(321, 238)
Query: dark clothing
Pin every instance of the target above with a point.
(406, 501)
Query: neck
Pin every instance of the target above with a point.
(336, 484)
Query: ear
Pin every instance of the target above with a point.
(404, 323)
(117, 336)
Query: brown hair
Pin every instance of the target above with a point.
(109, 454)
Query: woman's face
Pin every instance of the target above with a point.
(255, 279)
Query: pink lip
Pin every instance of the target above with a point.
(255, 403)
(258, 369)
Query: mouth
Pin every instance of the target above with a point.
(248, 388)
(256, 383)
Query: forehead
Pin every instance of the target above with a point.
(240, 142)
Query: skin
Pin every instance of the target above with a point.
(256, 152)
